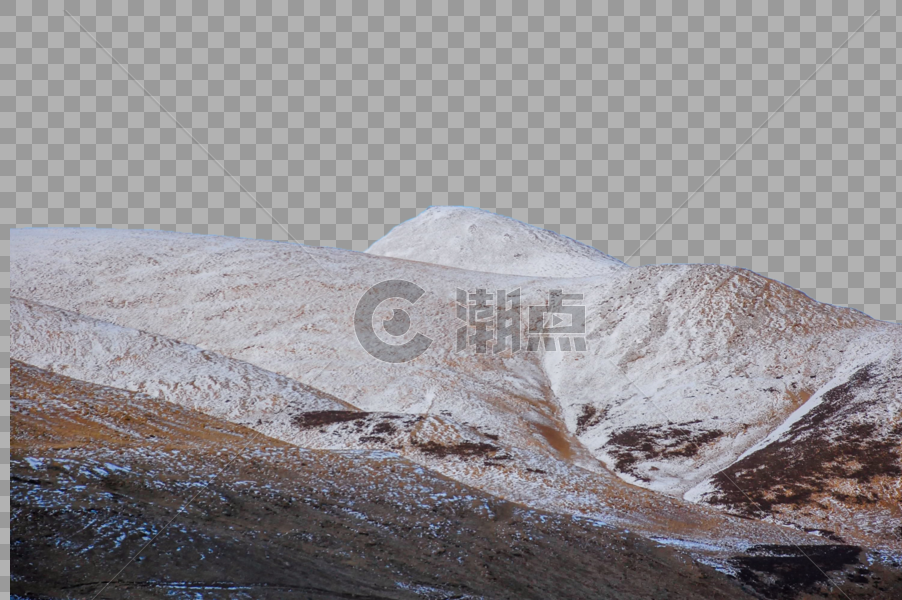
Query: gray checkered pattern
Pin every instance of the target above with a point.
(592, 119)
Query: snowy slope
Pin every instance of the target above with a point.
(106, 354)
(708, 345)
(478, 240)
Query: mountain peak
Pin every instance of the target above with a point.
(479, 240)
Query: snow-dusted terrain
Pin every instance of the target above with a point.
(100, 352)
(692, 364)
(689, 368)
(105, 354)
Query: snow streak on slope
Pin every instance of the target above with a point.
(834, 466)
(478, 240)
(105, 354)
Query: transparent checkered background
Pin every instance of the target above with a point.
(594, 119)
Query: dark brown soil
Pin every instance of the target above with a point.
(589, 418)
(319, 418)
(97, 473)
(384, 428)
(464, 449)
(638, 444)
(785, 572)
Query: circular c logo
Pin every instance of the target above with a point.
(398, 325)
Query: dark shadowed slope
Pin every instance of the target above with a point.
(836, 468)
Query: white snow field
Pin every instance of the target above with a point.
(687, 367)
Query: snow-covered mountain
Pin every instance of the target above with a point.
(478, 240)
(694, 375)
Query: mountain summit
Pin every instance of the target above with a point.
(478, 240)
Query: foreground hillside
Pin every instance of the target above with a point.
(98, 472)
